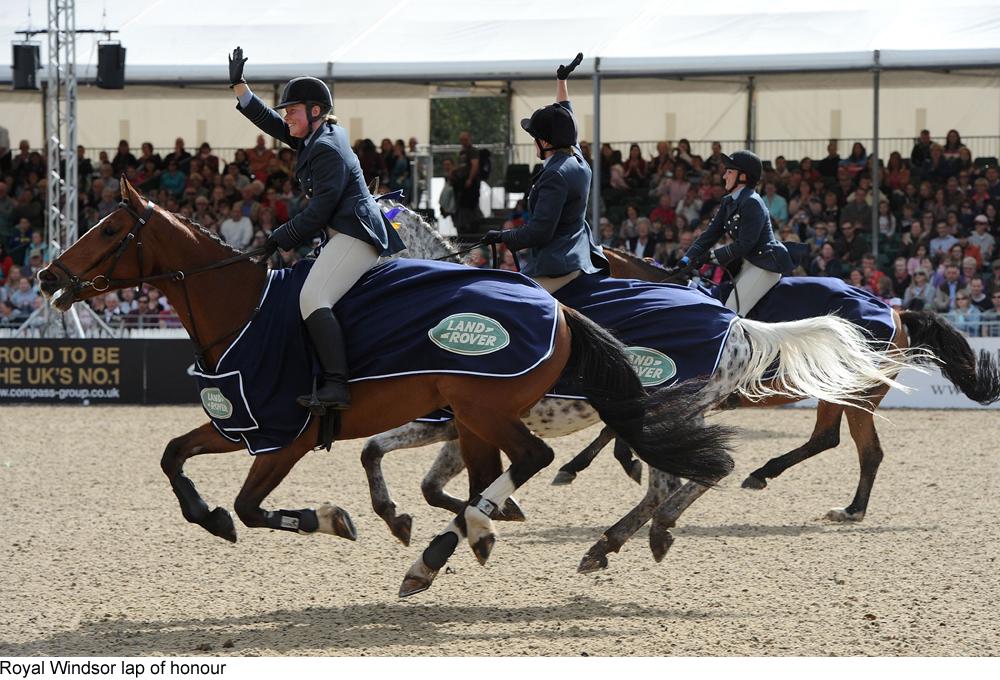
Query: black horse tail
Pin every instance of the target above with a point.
(662, 427)
(979, 379)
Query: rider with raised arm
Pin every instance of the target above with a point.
(743, 216)
(340, 208)
(559, 241)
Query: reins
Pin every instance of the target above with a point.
(103, 282)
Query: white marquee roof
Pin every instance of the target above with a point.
(176, 41)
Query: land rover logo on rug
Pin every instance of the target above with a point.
(654, 368)
(470, 334)
(215, 403)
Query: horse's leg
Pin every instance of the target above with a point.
(445, 468)
(408, 436)
(612, 540)
(862, 425)
(632, 466)
(825, 435)
(201, 440)
(567, 473)
(267, 471)
(480, 451)
(666, 516)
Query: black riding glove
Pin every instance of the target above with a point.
(493, 236)
(270, 247)
(562, 73)
(236, 61)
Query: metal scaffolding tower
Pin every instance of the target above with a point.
(60, 124)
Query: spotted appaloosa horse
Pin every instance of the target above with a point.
(822, 356)
(217, 290)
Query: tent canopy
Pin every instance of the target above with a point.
(185, 41)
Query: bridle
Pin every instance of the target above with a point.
(104, 282)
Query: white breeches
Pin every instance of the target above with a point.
(752, 283)
(554, 283)
(343, 260)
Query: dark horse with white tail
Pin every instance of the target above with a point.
(217, 292)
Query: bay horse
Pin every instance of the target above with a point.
(216, 289)
(810, 350)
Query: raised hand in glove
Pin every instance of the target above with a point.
(493, 236)
(236, 61)
(562, 73)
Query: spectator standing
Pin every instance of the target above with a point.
(921, 149)
(827, 167)
(179, 155)
(399, 169)
(123, 159)
(7, 221)
(466, 184)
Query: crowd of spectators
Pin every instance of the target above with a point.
(937, 222)
(239, 199)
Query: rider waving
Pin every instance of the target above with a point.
(743, 216)
(340, 207)
(557, 235)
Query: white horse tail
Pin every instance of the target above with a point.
(825, 357)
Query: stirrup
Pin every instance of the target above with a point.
(311, 401)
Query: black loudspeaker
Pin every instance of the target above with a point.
(110, 66)
(25, 66)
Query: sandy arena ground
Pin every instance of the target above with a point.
(97, 559)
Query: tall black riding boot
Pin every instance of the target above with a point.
(328, 339)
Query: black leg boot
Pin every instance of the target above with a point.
(328, 340)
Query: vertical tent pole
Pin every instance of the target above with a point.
(509, 140)
(595, 152)
(751, 112)
(876, 71)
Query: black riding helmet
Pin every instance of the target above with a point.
(309, 91)
(746, 162)
(553, 124)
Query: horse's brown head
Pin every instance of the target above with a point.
(107, 257)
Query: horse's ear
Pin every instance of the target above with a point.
(129, 194)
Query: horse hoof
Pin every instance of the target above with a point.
(336, 521)
(483, 547)
(752, 482)
(220, 523)
(592, 562)
(635, 471)
(563, 478)
(660, 541)
(842, 515)
(512, 512)
(418, 579)
(401, 527)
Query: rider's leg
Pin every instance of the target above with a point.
(554, 283)
(339, 266)
(752, 283)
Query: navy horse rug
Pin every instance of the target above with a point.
(403, 317)
(672, 333)
(801, 297)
